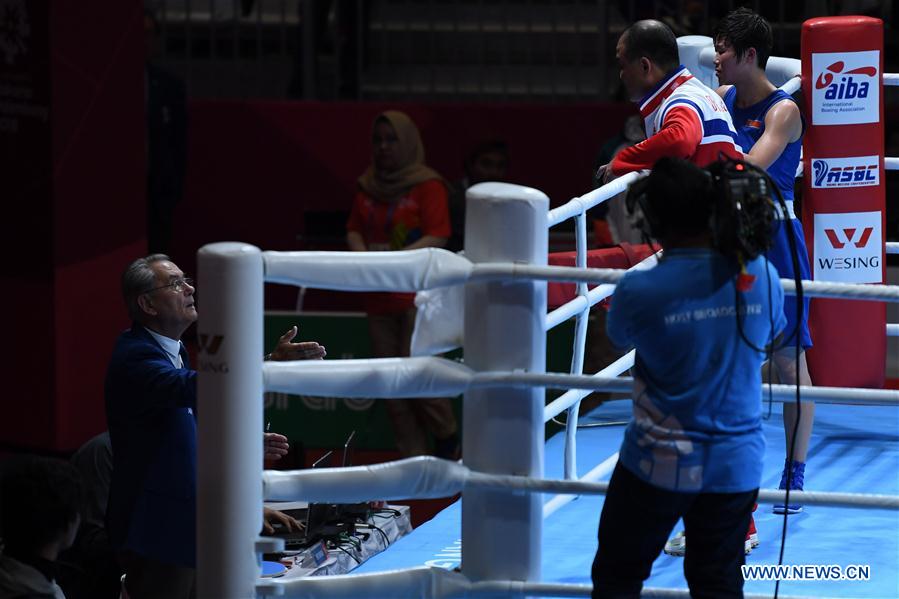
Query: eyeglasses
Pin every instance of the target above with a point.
(177, 285)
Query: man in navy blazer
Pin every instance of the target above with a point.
(151, 403)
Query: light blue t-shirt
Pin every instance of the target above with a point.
(697, 393)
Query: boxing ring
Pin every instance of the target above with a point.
(507, 490)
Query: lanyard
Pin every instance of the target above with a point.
(388, 221)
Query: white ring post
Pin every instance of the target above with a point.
(229, 481)
(503, 426)
(697, 53)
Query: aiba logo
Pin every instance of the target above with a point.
(846, 88)
(848, 247)
(857, 171)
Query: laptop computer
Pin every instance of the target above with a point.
(319, 519)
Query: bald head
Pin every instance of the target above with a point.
(653, 40)
(646, 53)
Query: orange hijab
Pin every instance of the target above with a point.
(412, 169)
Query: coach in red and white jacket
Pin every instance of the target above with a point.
(683, 118)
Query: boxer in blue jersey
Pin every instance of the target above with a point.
(769, 130)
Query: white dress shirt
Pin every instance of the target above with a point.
(172, 348)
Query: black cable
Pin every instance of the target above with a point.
(383, 534)
(352, 540)
(355, 559)
(770, 351)
(591, 424)
(767, 350)
(364, 536)
(773, 341)
(800, 311)
(794, 337)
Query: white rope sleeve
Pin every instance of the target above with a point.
(438, 583)
(409, 270)
(422, 477)
(439, 377)
(552, 380)
(492, 271)
(427, 477)
(423, 581)
(384, 377)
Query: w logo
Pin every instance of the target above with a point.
(820, 167)
(210, 343)
(849, 236)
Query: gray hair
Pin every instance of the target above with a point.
(137, 279)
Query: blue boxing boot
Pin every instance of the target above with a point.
(797, 480)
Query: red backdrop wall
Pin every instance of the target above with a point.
(72, 146)
(255, 167)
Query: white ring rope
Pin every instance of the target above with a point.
(438, 583)
(594, 296)
(887, 293)
(579, 205)
(427, 477)
(429, 268)
(439, 377)
(600, 471)
(792, 85)
(572, 396)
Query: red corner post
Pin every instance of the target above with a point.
(843, 199)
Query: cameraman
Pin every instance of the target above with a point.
(698, 322)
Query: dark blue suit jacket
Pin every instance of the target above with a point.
(152, 499)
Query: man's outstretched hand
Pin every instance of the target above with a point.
(304, 350)
(276, 446)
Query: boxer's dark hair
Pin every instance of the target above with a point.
(743, 29)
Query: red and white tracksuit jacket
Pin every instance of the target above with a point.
(685, 119)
